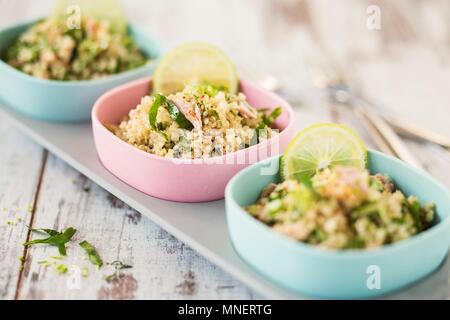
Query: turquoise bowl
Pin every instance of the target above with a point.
(63, 101)
(307, 270)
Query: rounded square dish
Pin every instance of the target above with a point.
(308, 270)
(197, 181)
(63, 101)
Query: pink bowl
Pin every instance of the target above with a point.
(203, 180)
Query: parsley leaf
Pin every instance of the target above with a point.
(50, 232)
(93, 255)
(269, 119)
(159, 101)
(58, 239)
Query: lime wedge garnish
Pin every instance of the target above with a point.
(110, 10)
(322, 146)
(191, 64)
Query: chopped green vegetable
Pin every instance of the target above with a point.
(269, 119)
(355, 243)
(111, 277)
(93, 255)
(45, 263)
(210, 90)
(84, 272)
(176, 115)
(21, 262)
(153, 113)
(58, 239)
(61, 268)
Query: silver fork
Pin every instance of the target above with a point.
(402, 127)
(338, 91)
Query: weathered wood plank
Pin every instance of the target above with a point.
(163, 266)
(20, 167)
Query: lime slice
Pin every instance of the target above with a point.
(322, 146)
(194, 63)
(110, 10)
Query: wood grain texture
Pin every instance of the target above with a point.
(163, 267)
(405, 66)
(18, 185)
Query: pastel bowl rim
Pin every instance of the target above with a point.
(349, 254)
(79, 83)
(97, 123)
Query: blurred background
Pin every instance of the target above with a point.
(402, 61)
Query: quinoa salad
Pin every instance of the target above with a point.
(342, 208)
(200, 122)
(50, 50)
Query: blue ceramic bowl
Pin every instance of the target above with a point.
(308, 270)
(65, 101)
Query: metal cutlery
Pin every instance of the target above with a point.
(383, 134)
(400, 126)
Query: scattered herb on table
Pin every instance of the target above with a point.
(270, 119)
(61, 268)
(118, 266)
(45, 263)
(85, 272)
(21, 262)
(93, 255)
(58, 239)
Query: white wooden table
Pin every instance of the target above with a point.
(405, 65)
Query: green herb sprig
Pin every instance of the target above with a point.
(93, 255)
(56, 238)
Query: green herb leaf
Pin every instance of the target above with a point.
(355, 243)
(177, 116)
(61, 268)
(93, 255)
(111, 277)
(85, 272)
(210, 90)
(268, 120)
(159, 101)
(58, 239)
(50, 232)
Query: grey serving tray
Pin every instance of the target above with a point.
(201, 226)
